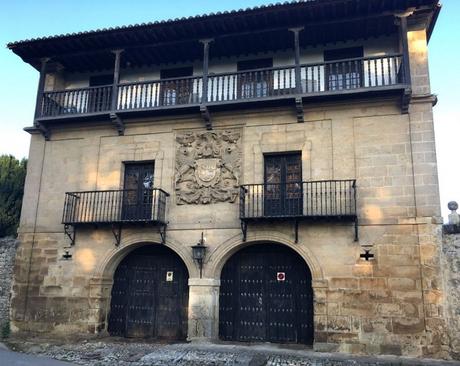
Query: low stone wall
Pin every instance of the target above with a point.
(7, 254)
(451, 269)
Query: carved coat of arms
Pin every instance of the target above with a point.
(207, 167)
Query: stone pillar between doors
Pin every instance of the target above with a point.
(203, 309)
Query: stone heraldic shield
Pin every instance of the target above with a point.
(207, 166)
(207, 172)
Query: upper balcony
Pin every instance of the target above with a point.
(295, 31)
(344, 77)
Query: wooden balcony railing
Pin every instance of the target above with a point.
(76, 101)
(334, 77)
(351, 74)
(160, 93)
(115, 206)
(251, 84)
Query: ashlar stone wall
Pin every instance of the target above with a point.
(391, 305)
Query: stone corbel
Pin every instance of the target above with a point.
(299, 109)
(206, 116)
(118, 122)
(405, 100)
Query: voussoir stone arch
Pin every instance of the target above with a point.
(224, 251)
(112, 259)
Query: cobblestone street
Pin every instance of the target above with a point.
(111, 352)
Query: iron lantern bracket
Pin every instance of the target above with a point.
(116, 231)
(162, 232)
(356, 229)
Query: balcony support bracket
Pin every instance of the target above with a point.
(43, 130)
(118, 122)
(162, 232)
(405, 101)
(70, 231)
(206, 116)
(299, 109)
(356, 230)
(116, 231)
(244, 229)
(296, 231)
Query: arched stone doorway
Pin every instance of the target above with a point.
(150, 295)
(266, 295)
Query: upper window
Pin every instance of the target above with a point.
(343, 53)
(100, 80)
(138, 196)
(283, 184)
(260, 63)
(255, 84)
(176, 91)
(342, 72)
(178, 72)
(98, 99)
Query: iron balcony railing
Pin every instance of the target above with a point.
(333, 77)
(317, 199)
(115, 206)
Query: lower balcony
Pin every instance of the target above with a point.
(325, 79)
(115, 208)
(331, 200)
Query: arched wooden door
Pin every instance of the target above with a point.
(150, 295)
(266, 296)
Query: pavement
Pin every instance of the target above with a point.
(10, 358)
(122, 352)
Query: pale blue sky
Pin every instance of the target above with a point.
(30, 18)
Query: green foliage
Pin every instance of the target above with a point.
(12, 176)
(6, 330)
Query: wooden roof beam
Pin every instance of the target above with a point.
(237, 34)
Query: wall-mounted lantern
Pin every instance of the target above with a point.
(199, 252)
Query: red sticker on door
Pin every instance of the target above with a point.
(280, 276)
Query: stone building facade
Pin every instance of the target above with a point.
(361, 127)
